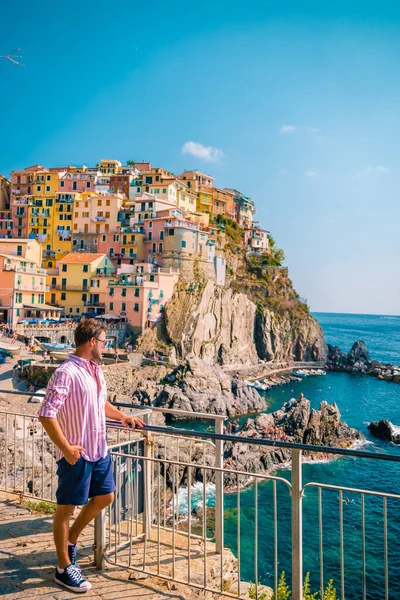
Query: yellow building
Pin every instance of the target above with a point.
(40, 212)
(95, 221)
(109, 166)
(205, 200)
(80, 286)
(62, 227)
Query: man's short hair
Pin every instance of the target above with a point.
(86, 330)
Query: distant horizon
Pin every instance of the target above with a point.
(331, 312)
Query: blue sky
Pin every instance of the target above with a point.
(296, 104)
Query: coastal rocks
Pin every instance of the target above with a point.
(385, 430)
(225, 327)
(295, 422)
(358, 361)
(200, 387)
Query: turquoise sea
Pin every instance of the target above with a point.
(361, 399)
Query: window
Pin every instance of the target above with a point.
(99, 203)
(70, 310)
(84, 297)
(150, 236)
(111, 305)
(160, 247)
(136, 307)
(19, 250)
(104, 238)
(183, 244)
(116, 238)
(47, 188)
(63, 296)
(18, 312)
(124, 306)
(88, 184)
(137, 293)
(111, 291)
(62, 183)
(164, 191)
(86, 268)
(150, 224)
(38, 188)
(74, 185)
(77, 310)
(151, 277)
(171, 231)
(48, 177)
(123, 294)
(64, 268)
(161, 235)
(108, 203)
(107, 215)
(150, 206)
(138, 190)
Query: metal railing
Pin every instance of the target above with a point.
(148, 529)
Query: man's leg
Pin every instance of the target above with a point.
(60, 531)
(87, 514)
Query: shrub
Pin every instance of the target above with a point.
(283, 591)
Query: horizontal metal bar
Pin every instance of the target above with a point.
(326, 486)
(253, 441)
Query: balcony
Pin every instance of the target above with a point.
(48, 254)
(6, 218)
(20, 269)
(95, 304)
(98, 219)
(71, 288)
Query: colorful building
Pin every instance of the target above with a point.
(223, 203)
(23, 282)
(257, 240)
(95, 216)
(139, 293)
(244, 209)
(81, 283)
(196, 180)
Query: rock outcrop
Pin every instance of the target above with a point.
(199, 387)
(295, 422)
(359, 361)
(385, 430)
(225, 327)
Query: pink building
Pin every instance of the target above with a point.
(139, 293)
(76, 182)
(154, 230)
(256, 240)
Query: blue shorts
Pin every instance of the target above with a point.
(83, 480)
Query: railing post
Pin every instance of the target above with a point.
(99, 539)
(297, 526)
(219, 488)
(147, 466)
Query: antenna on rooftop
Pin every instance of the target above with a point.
(12, 56)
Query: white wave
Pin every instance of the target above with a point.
(182, 498)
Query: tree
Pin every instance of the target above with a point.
(131, 163)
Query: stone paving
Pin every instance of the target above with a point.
(28, 558)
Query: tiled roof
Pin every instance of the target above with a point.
(81, 257)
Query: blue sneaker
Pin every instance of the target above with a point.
(72, 551)
(71, 578)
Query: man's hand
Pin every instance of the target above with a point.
(131, 422)
(73, 454)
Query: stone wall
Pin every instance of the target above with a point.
(190, 267)
(65, 333)
(119, 377)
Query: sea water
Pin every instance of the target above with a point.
(360, 399)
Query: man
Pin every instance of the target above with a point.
(73, 413)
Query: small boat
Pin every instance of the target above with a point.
(299, 374)
(60, 354)
(15, 349)
(55, 346)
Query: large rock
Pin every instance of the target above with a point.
(358, 354)
(293, 423)
(385, 430)
(282, 337)
(200, 387)
(225, 327)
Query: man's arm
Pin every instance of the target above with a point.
(54, 431)
(112, 412)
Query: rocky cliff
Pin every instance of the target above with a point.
(227, 327)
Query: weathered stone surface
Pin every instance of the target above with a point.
(358, 361)
(385, 430)
(358, 354)
(200, 387)
(286, 338)
(222, 326)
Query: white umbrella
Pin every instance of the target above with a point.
(107, 317)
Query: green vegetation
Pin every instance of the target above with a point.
(277, 254)
(253, 594)
(283, 591)
(131, 163)
(231, 229)
(47, 508)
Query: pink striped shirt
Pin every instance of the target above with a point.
(76, 395)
